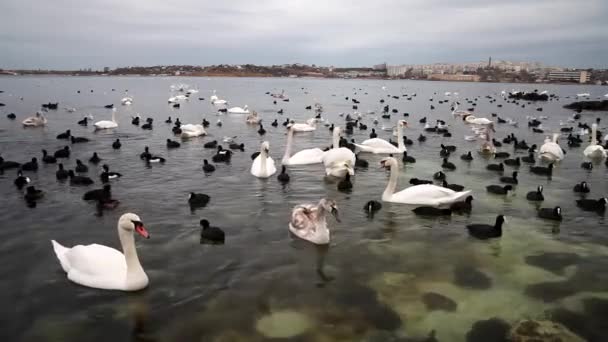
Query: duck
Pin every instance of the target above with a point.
(360, 162)
(61, 173)
(449, 148)
(192, 131)
(439, 175)
(513, 162)
(210, 144)
(432, 211)
(135, 120)
(582, 187)
(63, 153)
(235, 146)
(21, 180)
(467, 156)
(455, 187)
(283, 177)
(261, 130)
(499, 155)
(486, 231)
(421, 138)
(407, 159)
(98, 194)
(550, 213)
(80, 167)
(530, 159)
(542, 170)
(416, 181)
(587, 166)
(550, 150)
(78, 140)
(381, 146)
(222, 155)
(495, 167)
(592, 204)
(148, 124)
(65, 135)
(107, 124)
(448, 165)
(372, 207)
(424, 194)
(145, 154)
(510, 180)
(11, 116)
(309, 221)
(154, 159)
(463, 206)
(345, 184)
(197, 200)
(105, 268)
(48, 159)
(304, 157)
(172, 144)
(239, 110)
(499, 190)
(275, 123)
(444, 153)
(117, 144)
(595, 150)
(84, 121)
(106, 174)
(208, 168)
(338, 160)
(263, 165)
(31, 165)
(536, 195)
(79, 180)
(94, 159)
(7, 164)
(168, 120)
(32, 194)
(210, 234)
(37, 120)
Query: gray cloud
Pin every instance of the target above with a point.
(97, 33)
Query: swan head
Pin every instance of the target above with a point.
(388, 163)
(265, 147)
(130, 223)
(330, 206)
(402, 123)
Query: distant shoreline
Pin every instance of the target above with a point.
(288, 77)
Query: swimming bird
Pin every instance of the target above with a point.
(448, 165)
(48, 159)
(424, 194)
(462, 206)
(102, 267)
(116, 144)
(263, 166)
(210, 234)
(308, 221)
(550, 213)
(31, 165)
(439, 175)
(78, 140)
(407, 159)
(106, 174)
(541, 170)
(467, 156)
(197, 200)
(416, 181)
(283, 177)
(345, 184)
(21, 180)
(172, 144)
(65, 135)
(63, 153)
(499, 190)
(432, 211)
(32, 194)
(79, 180)
(98, 194)
(371, 207)
(495, 167)
(338, 160)
(154, 159)
(594, 150)
(486, 231)
(261, 130)
(536, 195)
(529, 158)
(510, 180)
(148, 124)
(11, 116)
(582, 187)
(84, 121)
(455, 187)
(222, 155)
(513, 162)
(210, 144)
(499, 155)
(208, 167)
(192, 131)
(80, 167)
(381, 146)
(592, 204)
(550, 150)
(94, 159)
(61, 173)
(107, 124)
(35, 121)
(587, 166)
(304, 157)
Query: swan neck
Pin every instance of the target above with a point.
(336, 138)
(113, 116)
(400, 144)
(593, 134)
(287, 154)
(127, 242)
(263, 157)
(392, 183)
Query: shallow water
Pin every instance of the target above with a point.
(261, 283)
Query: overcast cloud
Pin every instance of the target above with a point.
(70, 34)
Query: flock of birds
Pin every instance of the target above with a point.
(107, 268)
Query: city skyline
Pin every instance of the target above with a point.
(67, 35)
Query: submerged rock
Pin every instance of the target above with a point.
(589, 327)
(541, 331)
(379, 315)
(493, 329)
(550, 291)
(467, 276)
(283, 324)
(588, 105)
(553, 262)
(436, 301)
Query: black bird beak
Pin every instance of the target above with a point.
(334, 211)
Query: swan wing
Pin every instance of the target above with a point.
(428, 194)
(256, 167)
(595, 151)
(377, 143)
(304, 157)
(339, 155)
(551, 150)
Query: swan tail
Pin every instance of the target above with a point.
(61, 252)
(457, 197)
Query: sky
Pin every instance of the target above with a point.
(72, 34)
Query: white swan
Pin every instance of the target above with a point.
(192, 130)
(263, 165)
(594, 151)
(126, 101)
(310, 125)
(106, 124)
(216, 100)
(377, 145)
(339, 160)
(309, 221)
(35, 121)
(477, 121)
(456, 111)
(239, 110)
(253, 118)
(550, 150)
(103, 267)
(304, 157)
(424, 194)
(583, 95)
